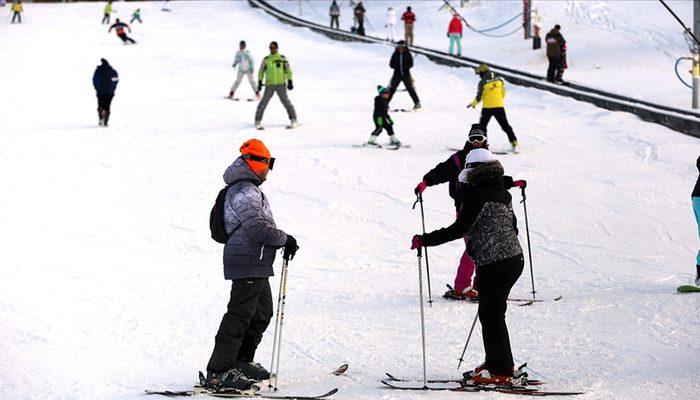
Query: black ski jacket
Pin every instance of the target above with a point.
(381, 109)
(696, 190)
(448, 171)
(401, 63)
(486, 217)
(105, 80)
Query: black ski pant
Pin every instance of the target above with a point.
(104, 102)
(334, 21)
(105, 19)
(16, 15)
(135, 18)
(495, 281)
(407, 81)
(386, 126)
(126, 39)
(500, 114)
(553, 69)
(248, 315)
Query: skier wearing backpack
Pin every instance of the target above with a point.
(381, 118)
(248, 257)
(245, 64)
(448, 172)
(487, 217)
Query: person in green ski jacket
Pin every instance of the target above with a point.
(244, 62)
(276, 72)
(108, 12)
(136, 16)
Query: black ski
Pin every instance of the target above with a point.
(232, 395)
(521, 390)
(536, 300)
(456, 380)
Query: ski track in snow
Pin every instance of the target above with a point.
(110, 282)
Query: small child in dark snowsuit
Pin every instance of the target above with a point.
(382, 119)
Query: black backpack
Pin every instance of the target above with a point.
(216, 217)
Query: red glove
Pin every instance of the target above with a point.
(522, 184)
(417, 242)
(420, 188)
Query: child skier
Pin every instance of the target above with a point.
(382, 119)
(136, 16)
(244, 61)
(120, 26)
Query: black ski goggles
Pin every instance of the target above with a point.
(269, 161)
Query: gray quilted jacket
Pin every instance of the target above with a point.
(251, 249)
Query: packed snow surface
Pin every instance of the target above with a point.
(111, 285)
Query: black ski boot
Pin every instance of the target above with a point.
(231, 379)
(252, 370)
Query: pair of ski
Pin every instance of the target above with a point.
(524, 302)
(250, 394)
(384, 146)
(460, 385)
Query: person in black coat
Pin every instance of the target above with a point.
(105, 80)
(381, 118)
(402, 62)
(487, 217)
(448, 172)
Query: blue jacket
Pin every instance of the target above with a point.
(250, 251)
(105, 80)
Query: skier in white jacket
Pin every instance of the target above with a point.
(390, 23)
(245, 64)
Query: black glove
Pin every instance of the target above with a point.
(259, 85)
(290, 86)
(290, 248)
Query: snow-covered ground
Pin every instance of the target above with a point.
(110, 284)
(618, 46)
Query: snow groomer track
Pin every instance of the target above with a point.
(681, 120)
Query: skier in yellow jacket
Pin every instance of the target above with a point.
(492, 91)
(17, 10)
(276, 71)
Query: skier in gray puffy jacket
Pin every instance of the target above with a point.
(244, 61)
(248, 257)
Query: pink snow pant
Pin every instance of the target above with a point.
(465, 270)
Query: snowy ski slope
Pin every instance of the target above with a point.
(618, 46)
(110, 284)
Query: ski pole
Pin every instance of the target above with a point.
(277, 341)
(427, 263)
(461, 358)
(422, 317)
(529, 249)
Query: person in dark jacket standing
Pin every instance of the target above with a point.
(120, 27)
(555, 43)
(381, 118)
(448, 172)
(360, 18)
(487, 218)
(105, 80)
(334, 12)
(248, 258)
(402, 62)
(695, 197)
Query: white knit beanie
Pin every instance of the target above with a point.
(474, 158)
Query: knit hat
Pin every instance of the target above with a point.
(475, 159)
(481, 69)
(381, 89)
(256, 155)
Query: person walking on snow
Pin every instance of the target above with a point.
(17, 10)
(409, 18)
(360, 18)
(390, 23)
(108, 13)
(248, 257)
(381, 118)
(448, 171)
(120, 27)
(695, 197)
(402, 62)
(136, 16)
(454, 32)
(334, 12)
(276, 71)
(245, 64)
(487, 218)
(555, 45)
(492, 91)
(105, 80)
